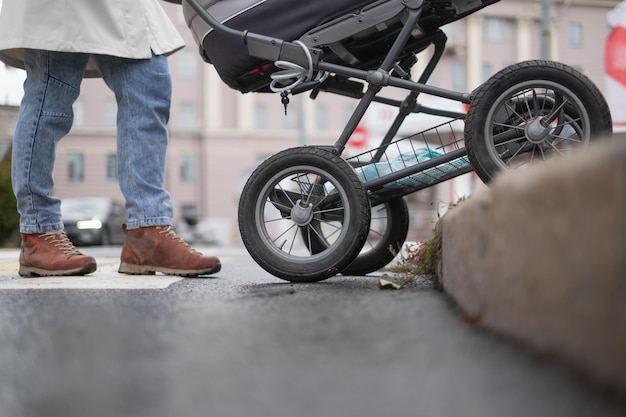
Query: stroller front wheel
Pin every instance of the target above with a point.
(286, 199)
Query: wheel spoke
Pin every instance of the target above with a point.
(283, 234)
(545, 101)
(336, 230)
(279, 205)
(558, 110)
(318, 234)
(541, 151)
(376, 232)
(293, 240)
(324, 198)
(512, 127)
(316, 184)
(520, 151)
(286, 195)
(535, 103)
(333, 214)
(514, 112)
(276, 219)
(554, 148)
(567, 139)
(497, 139)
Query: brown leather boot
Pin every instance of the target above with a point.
(52, 254)
(159, 249)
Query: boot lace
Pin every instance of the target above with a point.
(60, 241)
(170, 233)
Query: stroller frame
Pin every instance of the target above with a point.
(272, 49)
(527, 108)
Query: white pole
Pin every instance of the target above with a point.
(546, 29)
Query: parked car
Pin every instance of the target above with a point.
(93, 220)
(214, 231)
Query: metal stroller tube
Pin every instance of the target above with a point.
(261, 46)
(214, 23)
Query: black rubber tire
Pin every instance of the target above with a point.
(509, 102)
(272, 217)
(389, 227)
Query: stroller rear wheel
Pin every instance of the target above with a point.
(388, 229)
(389, 226)
(532, 111)
(285, 200)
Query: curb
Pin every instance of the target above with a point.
(541, 258)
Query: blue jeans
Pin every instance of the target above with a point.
(142, 89)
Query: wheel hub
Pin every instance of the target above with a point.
(301, 213)
(537, 130)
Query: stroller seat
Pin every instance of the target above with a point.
(341, 28)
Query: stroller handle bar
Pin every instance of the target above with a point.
(260, 46)
(271, 48)
(214, 23)
(274, 49)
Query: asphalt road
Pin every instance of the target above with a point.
(247, 344)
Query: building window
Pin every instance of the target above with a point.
(434, 79)
(346, 113)
(291, 119)
(260, 115)
(180, 17)
(498, 30)
(455, 32)
(458, 75)
(76, 167)
(487, 71)
(321, 117)
(575, 35)
(186, 64)
(187, 168)
(110, 113)
(186, 115)
(11, 123)
(111, 162)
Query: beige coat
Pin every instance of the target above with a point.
(124, 28)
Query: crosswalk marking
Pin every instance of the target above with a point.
(105, 277)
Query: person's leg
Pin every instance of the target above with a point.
(51, 87)
(143, 91)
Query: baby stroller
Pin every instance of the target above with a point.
(305, 213)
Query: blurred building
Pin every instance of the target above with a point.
(11, 80)
(8, 117)
(218, 136)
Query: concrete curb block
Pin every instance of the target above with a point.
(540, 256)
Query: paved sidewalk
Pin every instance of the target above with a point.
(538, 258)
(244, 343)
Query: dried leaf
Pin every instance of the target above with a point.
(384, 284)
(472, 318)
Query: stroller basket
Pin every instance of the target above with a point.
(412, 163)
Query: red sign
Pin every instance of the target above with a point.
(615, 58)
(358, 139)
